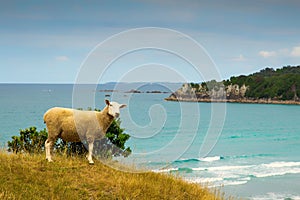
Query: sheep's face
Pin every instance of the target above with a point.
(114, 108)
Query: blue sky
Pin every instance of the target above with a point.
(47, 41)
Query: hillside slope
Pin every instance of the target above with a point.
(31, 177)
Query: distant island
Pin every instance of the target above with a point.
(133, 91)
(280, 86)
(138, 91)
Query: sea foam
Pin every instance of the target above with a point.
(276, 196)
(234, 174)
(204, 159)
(211, 159)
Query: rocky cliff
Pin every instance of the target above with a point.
(217, 91)
(266, 86)
(230, 93)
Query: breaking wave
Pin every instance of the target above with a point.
(217, 158)
(234, 174)
(274, 196)
(205, 159)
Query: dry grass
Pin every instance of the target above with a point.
(31, 177)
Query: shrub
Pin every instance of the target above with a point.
(115, 135)
(29, 141)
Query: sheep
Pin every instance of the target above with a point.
(75, 125)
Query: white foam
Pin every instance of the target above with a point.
(203, 180)
(274, 196)
(199, 168)
(276, 169)
(222, 168)
(228, 167)
(281, 164)
(210, 159)
(239, 182)
(276, 173)
(165, 170)
(204, 159)
(217, 181)
(237, 174)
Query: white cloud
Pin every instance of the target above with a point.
(267, 54)
(296, 51)
(61, 58)
(292, 52)
(240, 58)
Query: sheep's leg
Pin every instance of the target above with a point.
(48, 145)
(90, 154)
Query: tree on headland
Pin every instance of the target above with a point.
(268, 83)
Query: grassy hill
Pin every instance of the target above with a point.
(279, 84)
(31, 177)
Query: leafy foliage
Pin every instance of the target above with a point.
(29, 141)
(33, 141)
(115, 135)
(279, 84)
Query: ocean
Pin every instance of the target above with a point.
(246, 150)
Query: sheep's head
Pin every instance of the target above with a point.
(114, 108)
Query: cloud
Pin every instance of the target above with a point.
(267, 54)
(295, 51)
(240, 58)
(62, 58)
(287, 52)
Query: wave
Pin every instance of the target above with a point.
(276, 169)
(188, 169)
(235, 174)
(216, 181)
(183, 160)
(234, 136)
(203, 180)
(211, 159)
(248, 156)
(228, 167)
(282, 164)
(165, 170)
(280, 173)
(274, 196)
(217, 158)
(204, 159)
(172, 169)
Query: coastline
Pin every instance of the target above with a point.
(249, 101)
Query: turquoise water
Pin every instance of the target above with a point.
(256, 154)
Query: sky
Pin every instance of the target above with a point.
(50, 41)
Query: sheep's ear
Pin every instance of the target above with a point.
(122, 105)
(107, 102)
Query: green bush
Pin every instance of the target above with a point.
(29, 141)
(115, 135)
(33, 141)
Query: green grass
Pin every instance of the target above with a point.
(31, 177)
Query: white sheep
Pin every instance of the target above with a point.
(75, 125)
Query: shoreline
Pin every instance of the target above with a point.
(249, 101)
